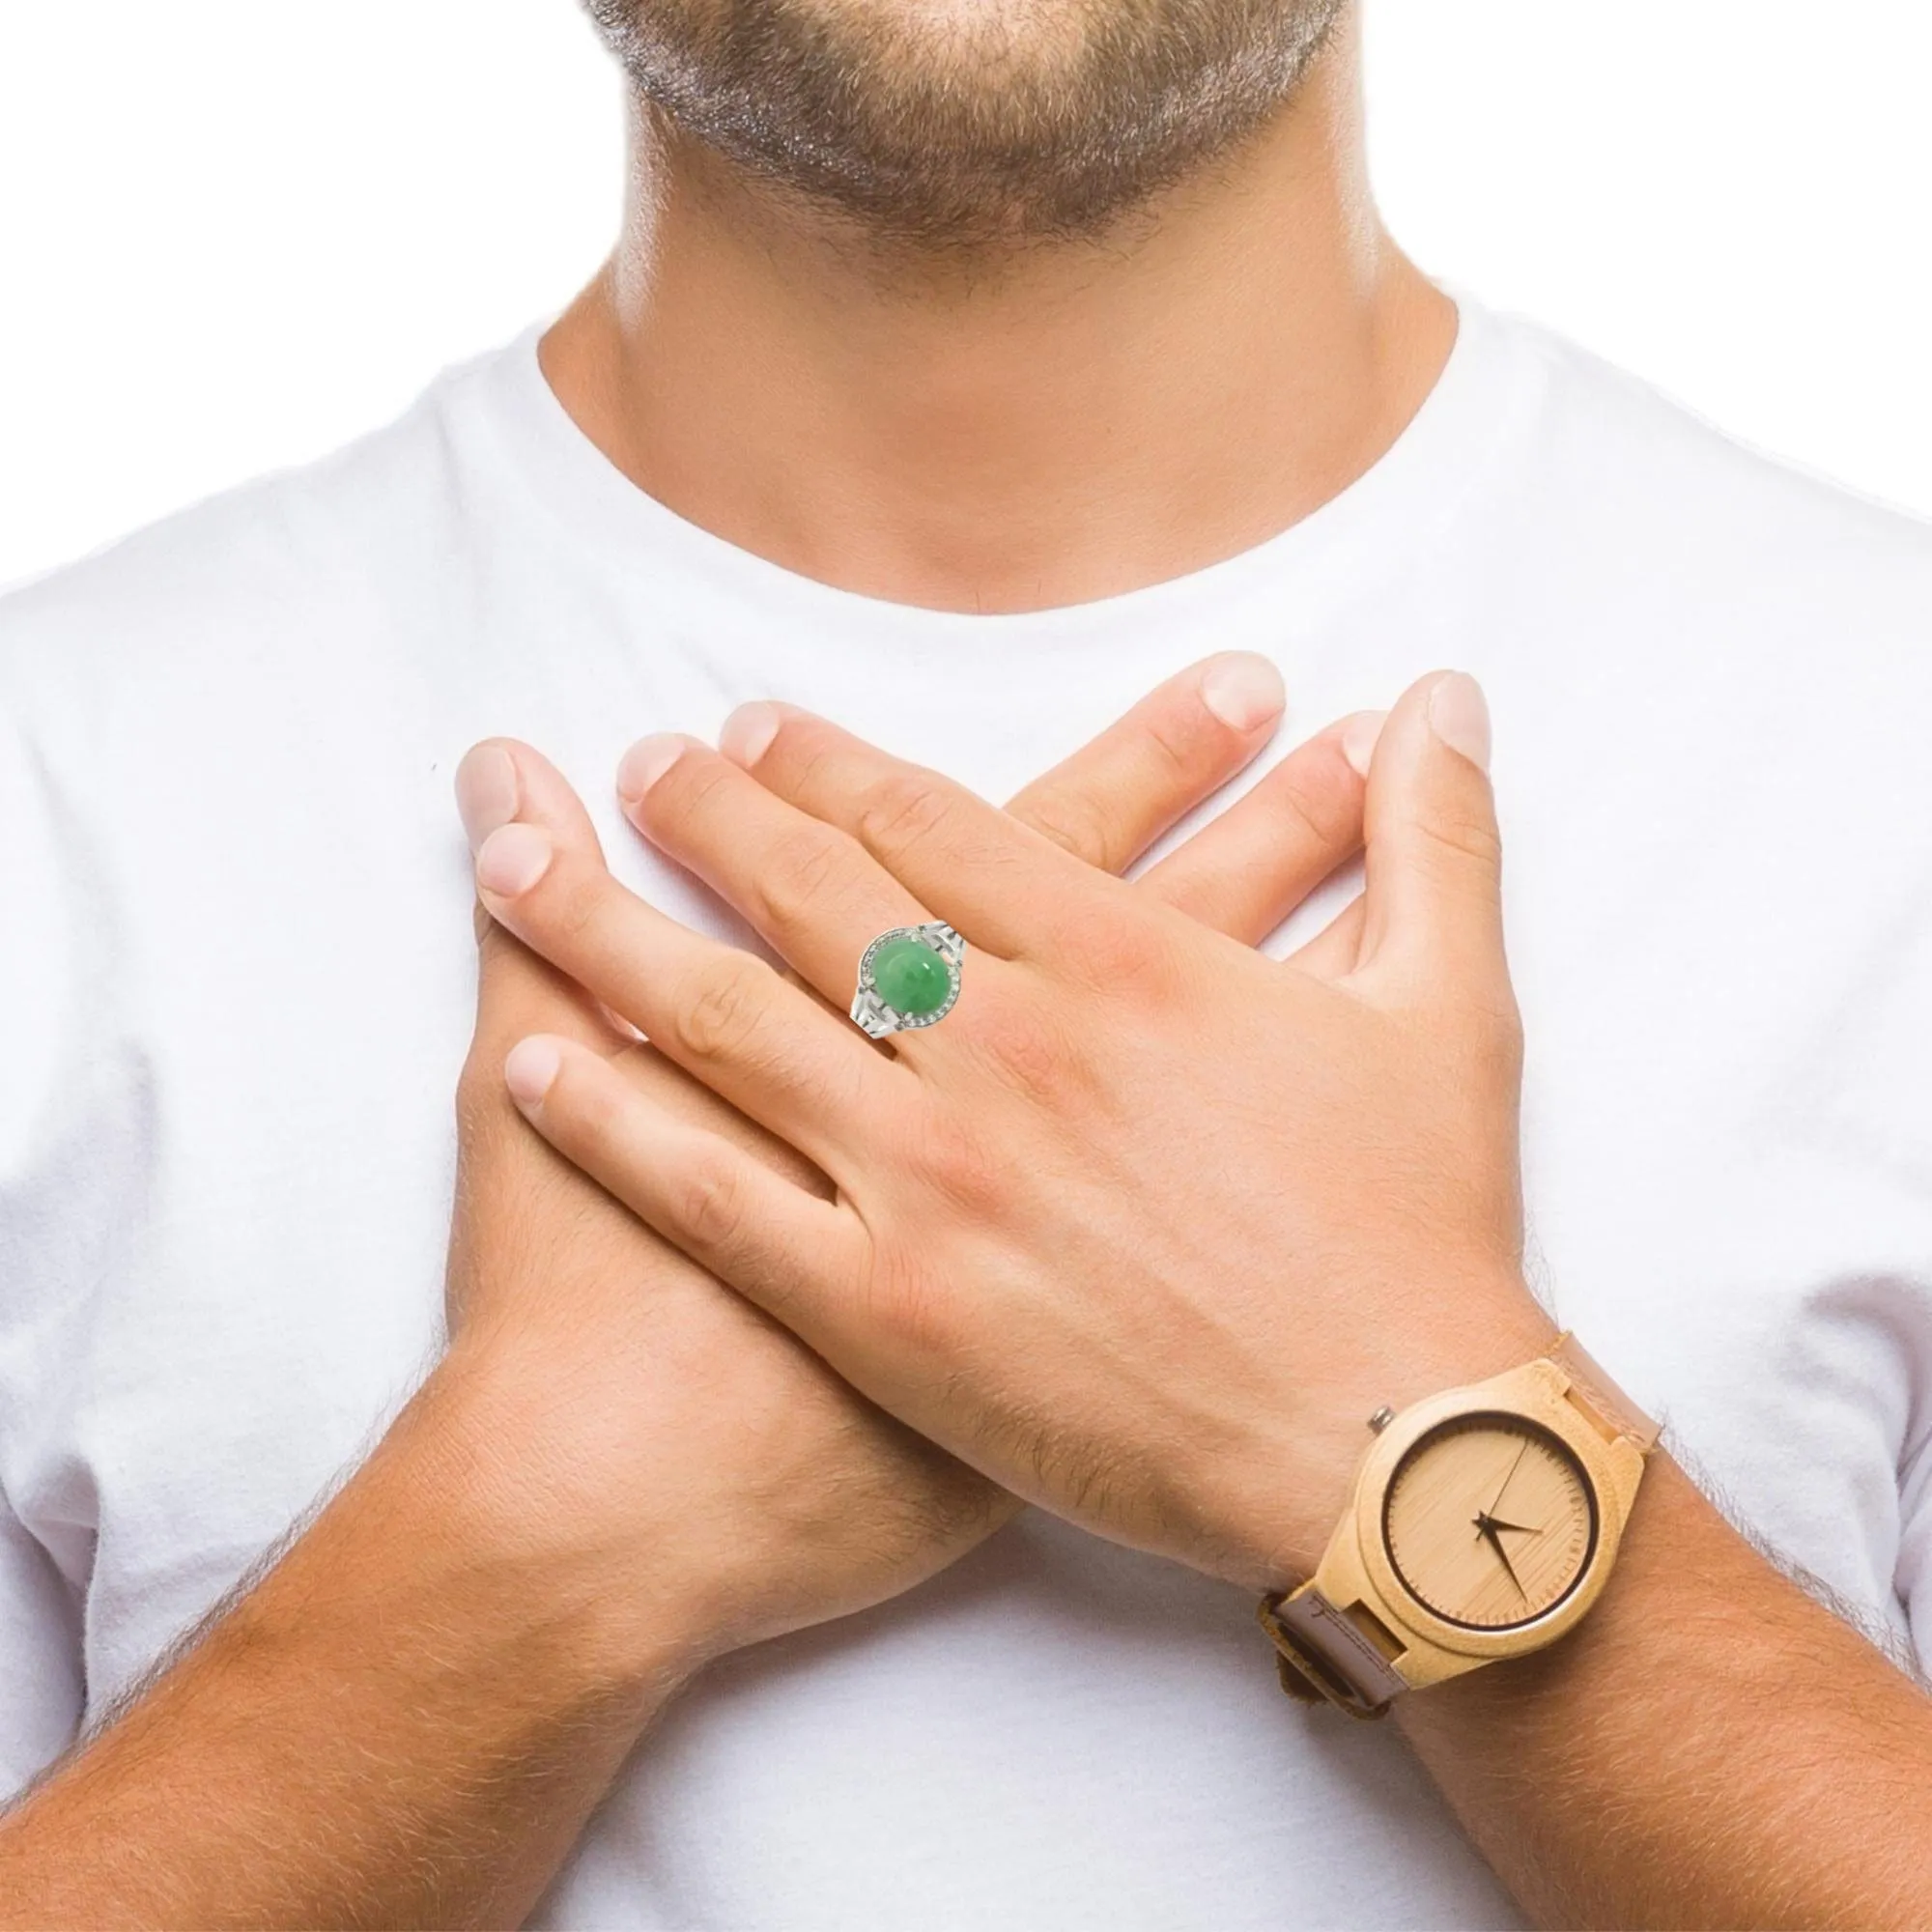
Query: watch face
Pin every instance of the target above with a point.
(1490, 1521)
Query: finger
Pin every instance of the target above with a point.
(812, 892)
(668, 1086)
(516, 991)
(816, 895)
(521, 993)
(1002, 885)
(722, 1015)
(1115, 795)
(1434, 857)
(1334, 952)
(727, 1209)
(1245, 871)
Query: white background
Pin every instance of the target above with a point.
(231, 233)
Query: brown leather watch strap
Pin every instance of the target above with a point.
(1598, 1397)
(1325, 1659)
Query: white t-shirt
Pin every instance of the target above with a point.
(234, 888)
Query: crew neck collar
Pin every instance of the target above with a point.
(1379, 526)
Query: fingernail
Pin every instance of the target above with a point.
(1358, 739)
(646, 762)
(749, 732)
(530, 1071)
(1243, 691)
(486, 791)
(1458, 714)
(512, 860)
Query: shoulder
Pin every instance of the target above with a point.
(178, 693)
(1627, 496)
(261, 582)
(1695, 623)
(1711, 671)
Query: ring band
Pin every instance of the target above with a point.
(908, 977)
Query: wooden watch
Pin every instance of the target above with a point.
(1484, 1523)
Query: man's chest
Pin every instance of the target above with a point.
(280, 1288)
(278, 1074)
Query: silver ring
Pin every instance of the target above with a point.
(908, 960)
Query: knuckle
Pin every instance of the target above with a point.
(813, 760)
(692, 791)
(694, 783)
(1462, 838)
(1036, 1058)
(1078, 823)
(1318, 814)
(1113, 952)
(802, 868)
(711, 1204)
(1179, 745)
(721, 1013)
(902, 812)
(561, 911)
(952, 1158)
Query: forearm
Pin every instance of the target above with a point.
(1711, 1747)
(405, 1723)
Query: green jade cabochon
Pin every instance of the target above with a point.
(911, 977)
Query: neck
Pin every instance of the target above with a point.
(1066, 422)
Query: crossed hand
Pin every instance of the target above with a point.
(1142, 1231)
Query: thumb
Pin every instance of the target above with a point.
(1433, 898)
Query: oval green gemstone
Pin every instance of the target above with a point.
(911, 977)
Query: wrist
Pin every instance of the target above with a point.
(617, 1614)
(1285, 1493)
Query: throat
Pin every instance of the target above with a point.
(1074, 422)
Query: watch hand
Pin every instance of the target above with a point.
(1511, 1477)
(1488, 1529)
(1522, 1528)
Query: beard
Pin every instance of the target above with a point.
(950, 124)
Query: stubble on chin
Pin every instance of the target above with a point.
(964, 125)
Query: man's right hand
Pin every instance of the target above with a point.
(699, 1479)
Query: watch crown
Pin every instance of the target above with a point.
(1381, 1418)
